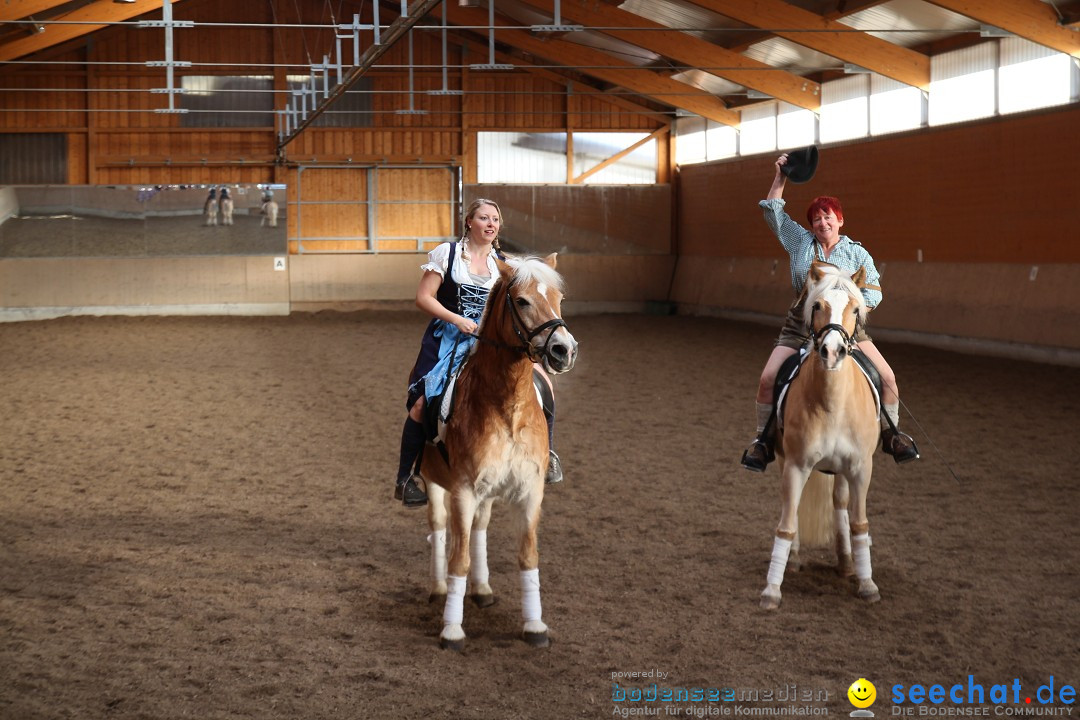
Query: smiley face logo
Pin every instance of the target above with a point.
(862, 693)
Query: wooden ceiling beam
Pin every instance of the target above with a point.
(690, 50)
(22, 9)
(598, 64)
(567, 82)
(1030, 19)
(828, 36)
(104, 11)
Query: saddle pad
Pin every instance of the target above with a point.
(446, 407)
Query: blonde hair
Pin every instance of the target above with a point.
(471, 210)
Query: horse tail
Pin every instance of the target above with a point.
(816, 519)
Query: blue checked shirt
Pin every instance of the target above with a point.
(803, 248)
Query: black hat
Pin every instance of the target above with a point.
(801, 164)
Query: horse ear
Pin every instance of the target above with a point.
(504, 268)
(859, 277)
(816, 270)
(550, 260)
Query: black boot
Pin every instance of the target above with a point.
(408, 487)
(758, 455)
(554, 471)
(409, 492)
(900, 445)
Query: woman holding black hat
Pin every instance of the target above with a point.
(824, 243)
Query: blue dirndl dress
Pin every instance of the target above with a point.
(444, 348)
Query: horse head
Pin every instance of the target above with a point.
(833, 305)
(526, 308)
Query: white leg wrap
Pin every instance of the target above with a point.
(780, 550)
(530, 595)
(438, 555)
(843, 526)
(478, 567)
(454, 611)
(861, 555)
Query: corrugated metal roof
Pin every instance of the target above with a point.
(910, 22)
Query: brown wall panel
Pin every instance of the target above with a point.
(991, 191)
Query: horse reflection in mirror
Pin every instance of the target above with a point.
(226, 207)
(269, 212)
(210, 208)
(496, 445)
(829, 425)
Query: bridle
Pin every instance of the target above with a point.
(525, 335)
(820, 333)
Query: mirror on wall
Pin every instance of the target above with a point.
(142, 220)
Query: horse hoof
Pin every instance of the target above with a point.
(872, 596)
(536, 640)
(455, 645)
(436, 598)
(769, 603)
(483, 601)
(794, 565)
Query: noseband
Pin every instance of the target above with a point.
(820, 333)
(525, 335)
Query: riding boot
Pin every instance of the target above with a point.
(407, 487)
(554, 471)
(893, 442)
(760, 453)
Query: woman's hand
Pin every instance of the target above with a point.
(781, 162)
(466, 325)
(777, 188)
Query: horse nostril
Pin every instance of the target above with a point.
(559, 351)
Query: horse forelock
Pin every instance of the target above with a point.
(834, 279)
(529, 268)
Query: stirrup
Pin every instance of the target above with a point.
(409, 493)
(554, 471)
(909, 453)
(755, 463)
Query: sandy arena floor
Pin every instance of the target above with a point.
(195, 521)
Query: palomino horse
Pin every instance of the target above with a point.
(496, 444)
(226, 208)
(210, 209)
(269, 213)
(829, 426)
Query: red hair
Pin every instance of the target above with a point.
(827, 204)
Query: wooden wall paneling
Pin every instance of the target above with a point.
(76, 159)
(413, 203)
(332, 207)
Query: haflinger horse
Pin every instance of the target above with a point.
(269, 213)
(496, 444)
(226, 208)
(210, 209)
(829, 426)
